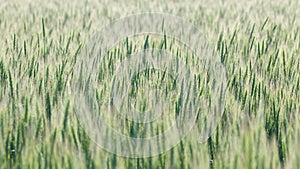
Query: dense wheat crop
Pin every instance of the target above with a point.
(257, 42)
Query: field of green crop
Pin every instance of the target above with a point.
(256, 41)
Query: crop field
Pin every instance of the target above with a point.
(111, 84)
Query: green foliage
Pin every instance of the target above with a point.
(258, 44)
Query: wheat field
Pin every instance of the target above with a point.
(257, 42)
